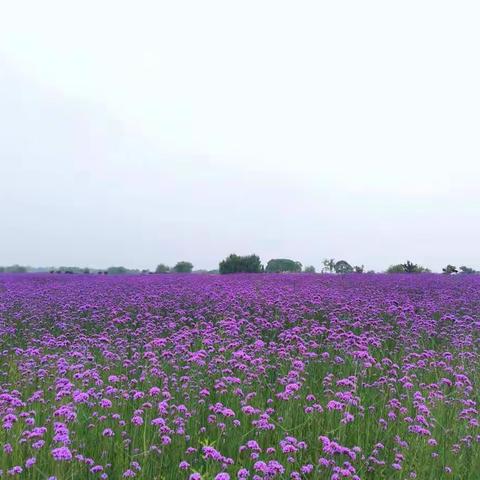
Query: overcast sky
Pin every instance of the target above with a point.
(133, 133)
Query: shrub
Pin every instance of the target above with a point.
(241, 264)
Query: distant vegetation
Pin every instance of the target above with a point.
(183, 267)
(161, 268)
(449, 269)
(407, 267)
(13, 269)
(243, 264)
(342, 266)
(279, 265)
(238, 264)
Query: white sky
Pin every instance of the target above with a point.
(133, 133)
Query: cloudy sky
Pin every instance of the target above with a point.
(133, 133)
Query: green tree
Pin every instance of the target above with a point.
(449, 269)
(117, 270)
(161, 268)
(16, 269)
(309, 269)
(343, 266)
(467, 270)
(328, 265)
(278, 265)
(183, 267)
(359, 268)
(2, 269)
(397, 268)
(407, 267)
(241, 264)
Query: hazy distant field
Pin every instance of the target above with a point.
(249, 376)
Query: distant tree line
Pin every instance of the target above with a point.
(452, 269)
(245, 264)
(13, 269)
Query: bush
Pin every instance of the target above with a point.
(117, 270)
(449, 269)
(278, 265)
(16, 269)
(183, 267)
(309, 269)
(467, 270)
(237, 264)
(343, 267)
(407, 267)
(161, 268)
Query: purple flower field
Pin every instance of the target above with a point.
(239, 377)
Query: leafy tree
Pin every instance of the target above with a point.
(407, 267)
(16, 269)
(309, 269)
(343, 266)
(117, 271)
(241, 264)
(359, 269)
(278, 265)
(467, 270)
(2, 269)
(70, 270)
(161, 268)
(183, 267)
(397, 268)
(449, 269)
(328, 265)
(410, 267)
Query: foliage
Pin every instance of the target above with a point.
(15, 269)
(467, 270)
(278, 265)
(359, 268)
(183, 267)
(309, 269)
(117, 270)
(328, 265)
(449, 269)
(162, 268)
(407, 267)
(343, 266)
(241, 264)
(397, 268)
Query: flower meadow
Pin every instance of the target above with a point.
(213, 377)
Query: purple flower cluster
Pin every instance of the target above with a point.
(240, 377)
